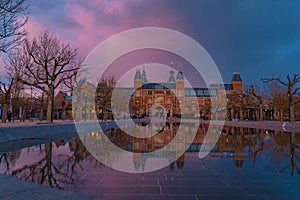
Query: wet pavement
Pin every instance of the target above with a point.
(258, 175)
(192, 183)
(210, 178)
(12, 188)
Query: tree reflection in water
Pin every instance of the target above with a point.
(274, 146)
(4, 158)
(10, 159)
(44, 170)
(294, 155)
(276, 152)
(41, 171)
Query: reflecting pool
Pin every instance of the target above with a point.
(244, 164)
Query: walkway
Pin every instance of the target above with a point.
(12, 188)
(37, 130)
(28, 123)
(269, 125)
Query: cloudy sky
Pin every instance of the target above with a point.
(257, 38)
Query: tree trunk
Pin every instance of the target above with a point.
(49, 107)
(24, 113)
(241, 115)
(281, 115)
(63, 114)
(260, 114)
(41, 114)
(292, 112)
(4, 112)
(257, 115)
(104, 113)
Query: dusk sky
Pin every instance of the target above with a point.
(257, 38)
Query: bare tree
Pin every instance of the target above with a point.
(292, 90)
(13, 16)
(236, 104)
(104, 93)
(279, 99)
(5, 92)
(44, 63)
(258, 102)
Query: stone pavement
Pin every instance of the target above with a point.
(209, 178)
(250, 124)
(12, 188)
(59, 129)
(36, 130)
(28, 123)
(265, 125)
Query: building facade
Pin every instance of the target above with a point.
(178, 99)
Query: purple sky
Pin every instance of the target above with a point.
(258, 38)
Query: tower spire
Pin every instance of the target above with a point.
(144, 76)
(137, 74)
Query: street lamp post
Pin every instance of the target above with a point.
(289, 105)
(52, 101)
(102, 110)
(85, 107)
(10, 99)
(42, 106)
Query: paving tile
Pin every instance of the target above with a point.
(193, 182)
(202, 190)
(280, 197)
(13, 188)
(121, 190)
(229, 197)
(147, 197)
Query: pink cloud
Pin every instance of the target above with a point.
(85, 25)
(101, 19)
(33, 27)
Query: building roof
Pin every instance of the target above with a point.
(236, 77)
(138, 75)
(200, 92)
(179, 76)
(128, 90)
(226, 86)
(171, 77)
(213, 85)
(66, 96)
(84, 81)
(159, 86)
(144, 76)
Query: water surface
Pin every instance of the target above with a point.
(244, 164)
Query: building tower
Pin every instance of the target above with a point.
(180, 92)
(236, 81)
(144, 77)
(137, 100)
(138, 82)
(171, 77)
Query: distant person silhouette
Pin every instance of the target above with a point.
(9, 114)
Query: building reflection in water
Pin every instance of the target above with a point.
(65, 163)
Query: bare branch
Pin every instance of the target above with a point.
(13, 17)
(268, 80)
(291, 90)
(43, 61)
